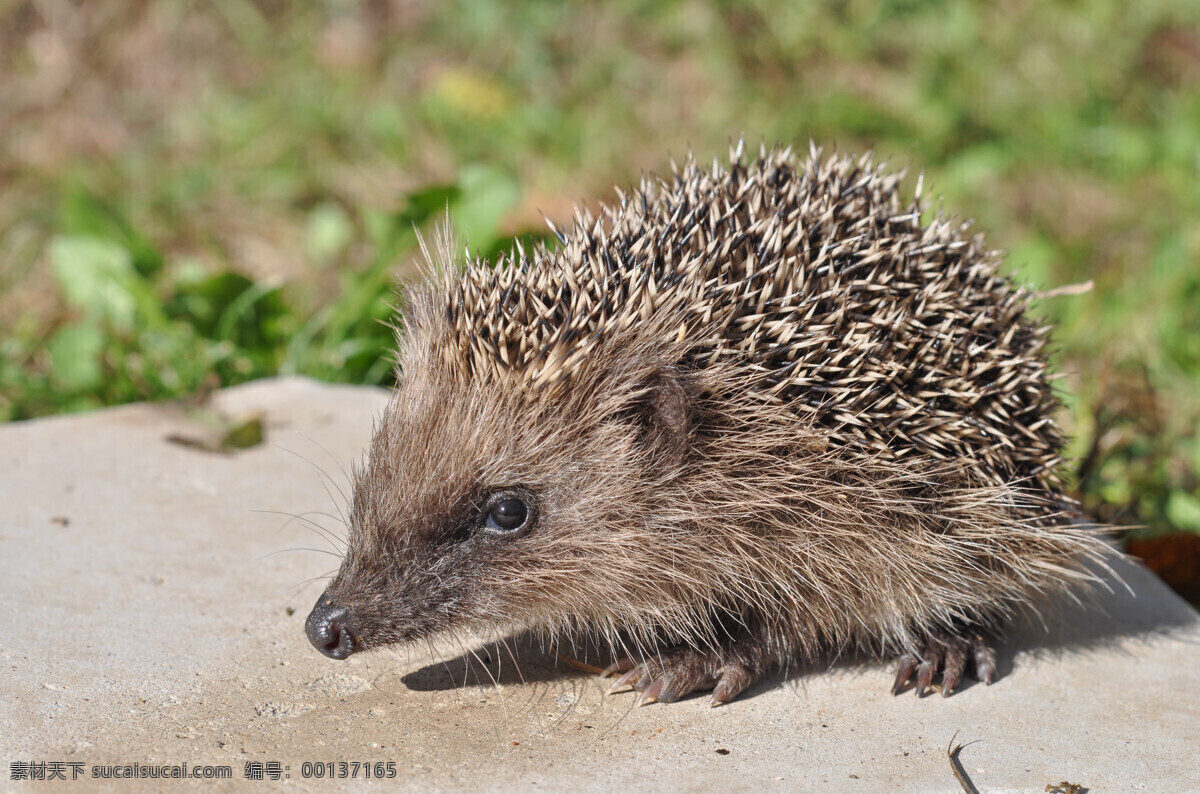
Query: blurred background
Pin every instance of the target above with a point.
(195, 194)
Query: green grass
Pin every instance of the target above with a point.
(197, 194)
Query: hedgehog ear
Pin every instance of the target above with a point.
(665, 410)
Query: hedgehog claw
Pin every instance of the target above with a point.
(932, 661)
(669, 676)
(908, 666)
(668, 695)
(630, 679)
(985, 663)
(924, 678)
(734, 678)
(651, 692)
(623, 665)
(948, 655)
(953, 667)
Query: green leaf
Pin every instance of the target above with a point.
(251, 318)
(426, 203)
(203, 302)
(84, 214)
(245, 433)
(1183, 510)
(97, 276)
(488, 194)
(228, 306)
(328, 233)
(1031, 261)
(75, 352)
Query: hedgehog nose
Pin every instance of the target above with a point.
(328, 629)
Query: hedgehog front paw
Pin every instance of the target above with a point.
(669, 675)
(948, 654)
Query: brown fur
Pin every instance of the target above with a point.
(754, 407)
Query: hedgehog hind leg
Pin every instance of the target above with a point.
(672, 674)
(950, 654)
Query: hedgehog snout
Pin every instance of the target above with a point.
(330, 628)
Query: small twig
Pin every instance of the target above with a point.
(578, 665)
(1069, 289)
(960, 774)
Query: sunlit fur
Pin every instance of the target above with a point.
(868, 455)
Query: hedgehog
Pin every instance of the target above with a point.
(744, 417)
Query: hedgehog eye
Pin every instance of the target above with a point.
(507, 515)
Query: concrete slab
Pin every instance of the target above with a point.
(152, 598)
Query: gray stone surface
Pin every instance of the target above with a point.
(152, 599)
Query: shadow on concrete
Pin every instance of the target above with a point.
(1128, 602)
(522, 659)
(526, 659)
